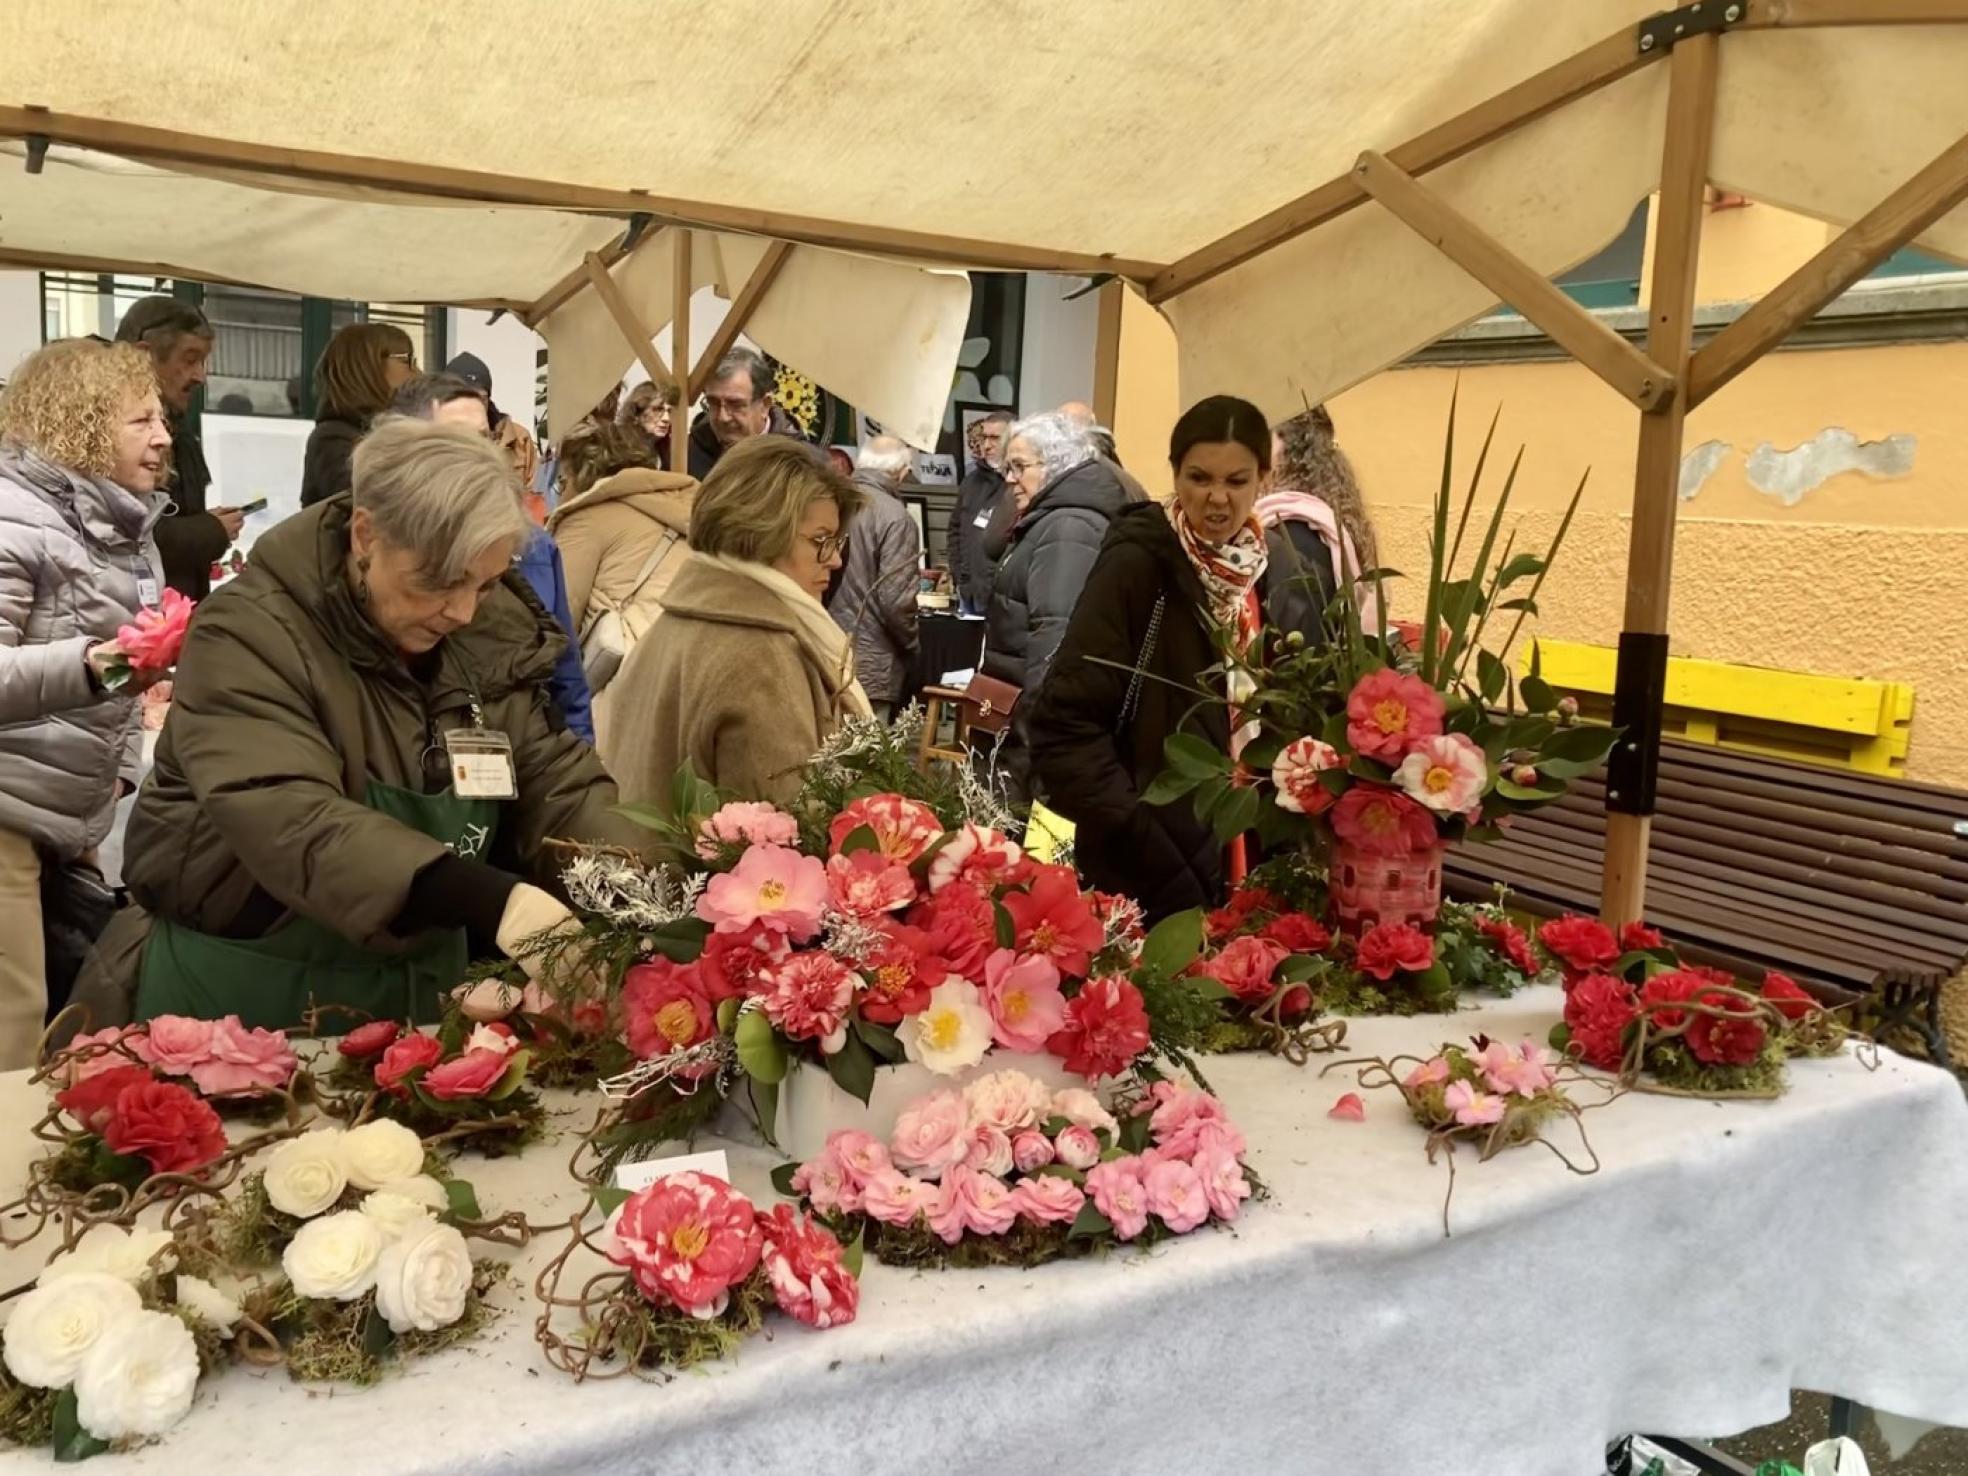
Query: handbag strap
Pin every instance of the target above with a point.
(1148, 643)
(663, 546)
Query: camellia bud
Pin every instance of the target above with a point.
(1568, 707)
(1295, 640)
(1524, 775)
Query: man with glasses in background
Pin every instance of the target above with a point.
(738, 405)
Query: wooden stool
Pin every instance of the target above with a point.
(934, 700)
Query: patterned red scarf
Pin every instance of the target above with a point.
(1229, 570)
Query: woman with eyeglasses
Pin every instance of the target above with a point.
(361, 369)
(650, 409)
(746, 673)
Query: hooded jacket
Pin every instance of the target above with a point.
(289, 703)
(69, 547)
(875, 600)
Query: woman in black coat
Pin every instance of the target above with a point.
(1165, 576)
(360, 370)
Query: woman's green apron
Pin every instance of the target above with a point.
(273, 981)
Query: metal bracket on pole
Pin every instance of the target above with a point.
(1639, 694)
(37, 152)
(1664, 31)
(638, 224)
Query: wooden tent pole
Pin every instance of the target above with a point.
(742, 306)
(625, 318)
(1107, 353)
(681, 289)
(1642, 679)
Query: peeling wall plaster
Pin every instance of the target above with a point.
(1789, 475)
(1700, 464)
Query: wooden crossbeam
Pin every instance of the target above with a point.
(1799, 14)
(748, 298)
(553, 298)
(631, 326)
(170, 146)
(1895, 221)
(1523, 287)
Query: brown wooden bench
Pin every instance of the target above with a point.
(1849, 882)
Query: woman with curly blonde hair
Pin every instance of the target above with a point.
(82, 451)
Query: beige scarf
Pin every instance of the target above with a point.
(823, 642)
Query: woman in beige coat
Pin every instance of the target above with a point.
(746, 673)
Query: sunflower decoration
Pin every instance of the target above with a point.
(799, 397)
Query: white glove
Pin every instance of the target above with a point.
(531, 921)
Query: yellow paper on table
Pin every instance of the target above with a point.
(1046, 834)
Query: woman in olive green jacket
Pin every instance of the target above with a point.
(361, 766)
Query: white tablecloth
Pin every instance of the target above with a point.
(1726, 1254)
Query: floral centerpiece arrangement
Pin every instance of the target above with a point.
(700, 1267)
(1367, 754)
(466, 1083)
(1009, 1171)
(1633, 1007)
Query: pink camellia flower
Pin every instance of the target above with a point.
(487, 1000)
(1388, 712)
(152, 642)
(1082, 1108)
(1445, 773)
(989, 1151)
(1116, 1190)
(1429, 1073)
(867, 884)
(931, 1133)
(173, 1044)
(244, 1060)
(1049, 1200)
(974, 853)
(1349, 1108)
(861, 1155)
(1077, 1147)
(1296, 775)
(903, 828)
(809, 1279)
(1389, 948)
(1022, 993)
(1219, 1135)
(975, 1201)
(777, 888)
(745, 823)
(1245, 966)
(825, 1183)
(463, 1077)
(1007, 1100)
(1179, 1114)
(666, 1008)
(688, 1239)
(368, 1041)
(1224, 1184)
(93, 1054)
(808, 997)
(896, 1199)
(406, 1055)
(1523, 1072)
(1383, 822)
(1054, 919)
(1471, 1107)
(1175, 1195)
(1031, 1151)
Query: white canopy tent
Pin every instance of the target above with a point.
(1211, 155)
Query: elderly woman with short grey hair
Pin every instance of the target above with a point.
(355, 790)
(1065, 496)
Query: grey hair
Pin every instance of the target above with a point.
(1061, 442)
(441, 492)
(421, 394)
(884, 454)
(747, 361)
(157, 323)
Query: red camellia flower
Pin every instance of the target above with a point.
(1671, 988)
(1582, 944)
(1383, 821)
(1245, 966)
(903, 828)
(1387, 948)
(1597, 1010)
(1298, 933)
(1388, 712)
(1638, 937)
(1106, 1028)
(961, 926)
(405, 1056)
(900, 975)
(732, 962)
(471, 1075)
(688, 1240)
(92, 1101)
(1054, 920)
(1788, 996)
(370, 1040)
(809, 1279)
(171, 1126)
(1247, 908)
(867, 884)
(666, 1008)
(1509, 940)
(1732, 1039)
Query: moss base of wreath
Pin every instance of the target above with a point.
(1673, 1065)
(1025, 1244)
(665, 1339)
(27, 1416)
(88, 1163)
(1349, 993)
(496, 1130)
(351, 1343)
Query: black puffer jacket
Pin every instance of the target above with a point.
(326, 467)
(1093, 753)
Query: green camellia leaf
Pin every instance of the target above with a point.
(880, 1039)
(727, 1015)
(1204, 987)
(1335, 732)
(1236, 814)
(376, 1334)
(760, 1051)
(71, 1441)
(853, 1069)
(1587, 744)
(1537, 694)
(608, 1198)
(1492, 676)
(1262, 753)
(461, 1200)
(1007, 929)
(861, 838)
(1434, 982)
(1510, 789)
(854, 1255)
(1188, 753)
(451, 1035)
(765, 1107)
(782, 1180)
(1168, 787)
(513, 1079)
(1090, 1224)
(1174, 943)
(1301, 968)
(646, 816)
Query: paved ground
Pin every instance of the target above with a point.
(1943, 1453)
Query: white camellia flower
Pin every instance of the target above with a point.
(423, 1279)
(335, 1256)
(381, 1151)
(953, 1031)
(138, 1380)
(394, 1213)
(423, 1189)
(55, 1326)
(306, 1175)
(206, 1302)
(113, 1251)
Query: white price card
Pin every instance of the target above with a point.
(644, 1172)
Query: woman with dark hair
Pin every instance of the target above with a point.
(1130, 668)
(361, 368)
(651, 409)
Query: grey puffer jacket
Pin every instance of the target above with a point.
(70, 546)
(875, 601)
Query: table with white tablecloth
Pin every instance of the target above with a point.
(1724, 1254)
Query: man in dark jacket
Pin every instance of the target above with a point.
(875, 600)
(979, 496)
(737, 406)
(191, 538)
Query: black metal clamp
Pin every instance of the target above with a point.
(37, 152)
(1664, 31)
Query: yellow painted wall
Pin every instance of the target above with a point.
(1146, 395)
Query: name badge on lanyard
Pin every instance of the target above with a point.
(148, 591)
(481, 764)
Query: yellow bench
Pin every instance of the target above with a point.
(1842, 722)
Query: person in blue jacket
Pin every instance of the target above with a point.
(446, 397)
